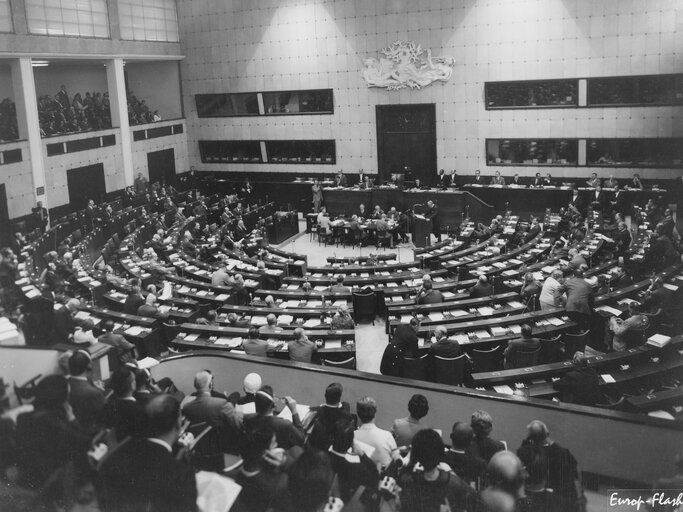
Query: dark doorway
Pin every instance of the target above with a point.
(161, 166)
(406, 138)
(85, 183)
(5, 231)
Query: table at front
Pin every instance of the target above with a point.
(452, 204)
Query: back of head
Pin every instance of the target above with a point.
(340, 279)
(310, 478)
(258, 436)
(482, 424)
(366, 408)
(506, 472)
(162, 413)
(427, 285)
(51, 392)
(252, 383)
(526, 330)
(203, 380)
(211, 315)
(494, 500)
(426, 448)
(79, 362)
(440, 332)
(418, 406)
(271, 319)
(263, 400)
(122, 381)
(299, 333)
(537, 432)
(461, 435)
(333, 393)
(252, 334)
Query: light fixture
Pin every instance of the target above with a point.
(40, 63)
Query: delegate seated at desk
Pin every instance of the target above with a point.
(519, 347)
(301, 349)
(428, 295)
(338, 287)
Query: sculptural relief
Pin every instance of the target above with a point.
(405, 64)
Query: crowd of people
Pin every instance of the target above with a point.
(333, 456)
(61, 114)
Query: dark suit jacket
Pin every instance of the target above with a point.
(537, 182)
(442, 181)
(578, 203)
(598, 202)
(63, 326)
(481, 290)
(480, 181)
(340, 181)
(217, 412)
(133, 302)
(287, 433)
(484, 448)
(433, 215)
(467, 467)
(431, 297)
(406, 337)
(88, 404)
(533, 232)
(37, 214)
(453, 181)
(126, 417)
(442, 348)
(521, 181)
(579, 295)
(579, 386)
(620, 202)
(142, 475)
(519, 345)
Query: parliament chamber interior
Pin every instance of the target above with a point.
(325, 255)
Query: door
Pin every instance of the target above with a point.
(406, 141)
(161, 166)
(86, 183)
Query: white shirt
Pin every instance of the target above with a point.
(381, 440)
(160, 442)
(548, 291)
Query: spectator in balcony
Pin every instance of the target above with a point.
(404, 429)
(62, 97)
(483, 445)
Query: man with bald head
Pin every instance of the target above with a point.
(563, 472)
(468, 467)
(217, 412)
(506, 487)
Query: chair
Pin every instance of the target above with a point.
(384, 239)
(206, 453)
(450, 370)
(364, 305)
(575, 342)
(490, 360)
(552, 350)
(349, 364)
(26, 392)
(415, 368)
(522, 359)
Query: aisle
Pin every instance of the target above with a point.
(370, 343)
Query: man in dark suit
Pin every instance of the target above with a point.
(482, 288)
(443, 347)
(576, 260)
(428, 295)
(122, 412)
(90, 215)
(63, 326)
(453, 180)
(143, 474)
(327, 415)
(478, 179)
(41, 216)
(287, 433)
(442, 181)
(134, 299)
(87, 400)
(483, 446)
(468, 467)
(517, 181)
(580, 385)
(579, 298)
(576, 204)
(619, 202)
(622, 239)
(534, 230)
(361, 178)
(521, 345)
(340, 179)
(537, 181)
(432, 214)
(217, 412)
(405, 336)
(123, 348)
(598, 199)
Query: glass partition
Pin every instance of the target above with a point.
(635, 152)
(532, 94)
(532, 152)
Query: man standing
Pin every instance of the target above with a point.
(340, 179)
(143, 474)
(497, 179)
(140, 184)
(579, 298)
(453, 180)
(442, 180)
(432, 214)
(551, 295)
(205, 407)
(41, 216)
(87, 400)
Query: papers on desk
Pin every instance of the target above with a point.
(202, 293)
(291, 304)
(555, 321)
(661, 414)
(215, 492)
(285, 319)
(192, 337)
(505, 390)
(292, 286)
(447, 295)
(457, 312)
(658, 340)
(258, 320)
(482, 334)
(435, 316)
(82, 315)
(222, 297)
(607, 378)
(499, 264)
(339, 303)
(314, 303)
(498, 331)
(135, 330)
(147, 363)
(319, 288)
(438, 279)
(32, 293)
(515, 304)
(406, 318)
(396, 298)
(312, 322)
(461, 338)
(509, 273)
(333, 344)
(164, 309)
(184, 289)
(485, 310)
(608, 309)
(515, 329)
(548, 269)
(624, 302)
(391, 284)
(671, 287)
(228, 342)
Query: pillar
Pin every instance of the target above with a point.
(116, 85)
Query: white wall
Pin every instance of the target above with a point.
(18, 181)
(305, 44)
(76, 77)
(177, 142)
(158, 83)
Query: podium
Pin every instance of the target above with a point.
(422, 230)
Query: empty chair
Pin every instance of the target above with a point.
(522, 359)
(364, 306)
(415, 368)
(206, 453)
(384, 239)
(450, 370)
(349, 363)
(575, 342)
(490, 360)
(552, 350)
